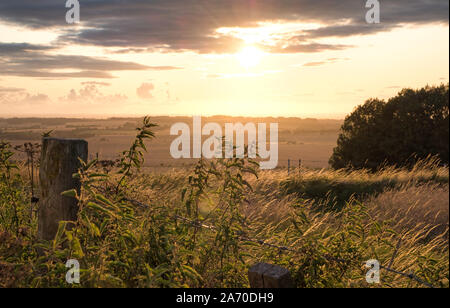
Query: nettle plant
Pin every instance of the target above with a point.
(12, 200)
(213, 201)
(117, 244)
(114, 244)
(133, 158)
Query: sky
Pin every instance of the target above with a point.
(306, 58)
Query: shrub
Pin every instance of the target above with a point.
(408, 127)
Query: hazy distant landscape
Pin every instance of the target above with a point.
(311, 140)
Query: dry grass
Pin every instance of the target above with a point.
(409, 199)
(408, 209)
(421, 209)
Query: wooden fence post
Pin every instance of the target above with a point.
(263, 275)
(289, 166)
(59, 160)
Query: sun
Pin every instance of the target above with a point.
(249, 56)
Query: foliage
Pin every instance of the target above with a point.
(134, 156)
(332, 189)
(11, 202)
(222, 185)
(205, 228)
(406, 128)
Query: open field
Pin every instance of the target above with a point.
(310, 140)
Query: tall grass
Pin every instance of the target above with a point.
(331, 189)
(139, 229)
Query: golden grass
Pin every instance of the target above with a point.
(413, 203)
(395, 211)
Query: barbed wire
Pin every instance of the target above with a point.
(410, 276)
(285, 248)
(295, 251)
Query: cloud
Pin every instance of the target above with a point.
(18, 96)
(49, 74)
(36, 99)
(161, 25)
(90, 94)
(241, 75)
(214, 75)
(318, 63)
(327, 61)
(360, 28)
(306, 48)
(10, 90)
(19, 48)
(27, 60)
(96, 83)
(167, 96)
(145, 91)
(160, 93)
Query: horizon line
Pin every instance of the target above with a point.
(321, 116)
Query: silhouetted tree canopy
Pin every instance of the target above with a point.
(410, 126)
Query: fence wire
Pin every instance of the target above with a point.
(285, 248)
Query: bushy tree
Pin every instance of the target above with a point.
(410, 126)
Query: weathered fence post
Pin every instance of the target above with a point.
(59, 160)
(263, 275)
(289, 166)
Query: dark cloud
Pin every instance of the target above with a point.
(346, 30)
(137, 25)
(20, 48)
(131, 50)
(27, 60)
(53, 75)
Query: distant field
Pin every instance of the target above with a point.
(310, 140)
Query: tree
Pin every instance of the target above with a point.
(410, 126)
